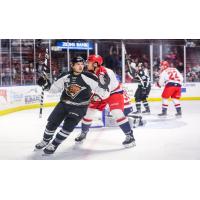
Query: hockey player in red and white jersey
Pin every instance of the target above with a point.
(172, 81)
(115, 101)
(128, 108)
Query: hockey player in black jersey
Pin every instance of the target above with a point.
(143, 90)
(76, 87)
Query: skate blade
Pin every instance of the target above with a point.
(162, 117)
(135, 115)
(144, 122)
(130, 145)
(47, 154)
(79, 142)
(37, 150)
(146, 113)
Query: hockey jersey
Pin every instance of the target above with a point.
(170, 76)
(127, 100)
(143, 78)
(85, 83)
(108, 80)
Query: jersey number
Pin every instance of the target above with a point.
(173, 76)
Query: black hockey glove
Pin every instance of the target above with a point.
(43, 82)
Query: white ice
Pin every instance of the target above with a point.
(164, 139)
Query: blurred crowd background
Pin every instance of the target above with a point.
(20, 58)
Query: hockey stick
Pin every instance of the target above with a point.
(44, 74)
(41, 102)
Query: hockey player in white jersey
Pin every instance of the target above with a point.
(115, 101)
(172, 81)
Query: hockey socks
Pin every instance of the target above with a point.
(146, 106)
(85, 127)
(125, 126)
(60, 137)
(138, 107)
(48, 135)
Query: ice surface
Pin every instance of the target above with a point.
(169, 138)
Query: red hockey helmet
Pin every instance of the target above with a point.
(164, 65)
(95, 59)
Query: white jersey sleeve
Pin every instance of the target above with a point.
(58, 86)
(114, 83)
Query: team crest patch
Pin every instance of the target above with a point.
(74, 89)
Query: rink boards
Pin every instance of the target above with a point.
(19, 98)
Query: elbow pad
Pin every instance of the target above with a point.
(104, 81)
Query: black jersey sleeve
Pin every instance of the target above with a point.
(91, 76)
(93, 82)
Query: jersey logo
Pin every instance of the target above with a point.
(73, 90)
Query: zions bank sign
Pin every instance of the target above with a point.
(75, 45)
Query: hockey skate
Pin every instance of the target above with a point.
(50, 149)
(134, 114)
(41, 145)
(129, 141)
(146, 112)
(162, 115)
(178, 114)
(138, 112)
(136, 120)
(81, 137)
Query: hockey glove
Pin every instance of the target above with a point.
(104, 81)
(43, 82)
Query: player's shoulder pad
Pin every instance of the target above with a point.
(90, 75)
(62, 75)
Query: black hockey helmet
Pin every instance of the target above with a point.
(77, 59)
